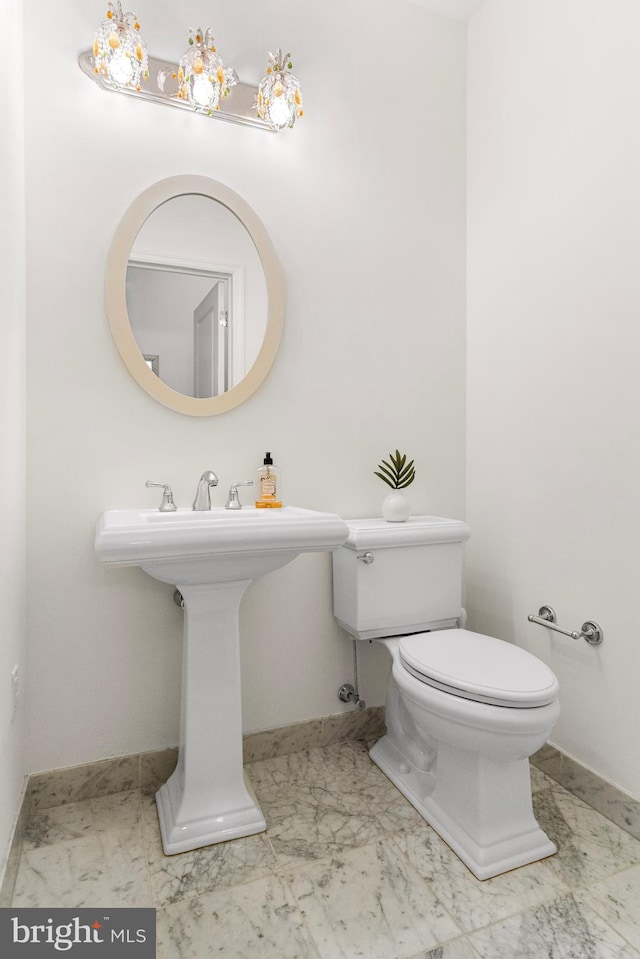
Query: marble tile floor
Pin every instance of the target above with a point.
(346, 869)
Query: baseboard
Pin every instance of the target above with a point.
(9, 868)
(147, 771)
(605, 798)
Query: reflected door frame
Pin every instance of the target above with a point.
(236, 306)
(211, 341)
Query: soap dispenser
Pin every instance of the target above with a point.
(268, 485)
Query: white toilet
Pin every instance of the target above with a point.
(464, 711)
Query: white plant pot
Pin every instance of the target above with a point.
(396, 508)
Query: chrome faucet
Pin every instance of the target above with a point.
(203, 493)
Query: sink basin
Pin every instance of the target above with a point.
(217, 545)
(212, 557)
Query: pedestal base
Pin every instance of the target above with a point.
(188, 824)
(206, 801)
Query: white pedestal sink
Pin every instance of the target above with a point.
(212, 557)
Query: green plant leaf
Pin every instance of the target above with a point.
(389, 473)
(402, 484)
(384, 478)
(407, 469)
(396, 472)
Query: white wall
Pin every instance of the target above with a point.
(365, 207)
(458, 9)
(12, 428)
(553, 480)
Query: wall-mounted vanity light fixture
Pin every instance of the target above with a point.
(202, 77)
(279, 99)
(200, 81)
(119, 54)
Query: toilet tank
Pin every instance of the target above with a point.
(396, 578)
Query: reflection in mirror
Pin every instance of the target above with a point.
(196, 295)
(153, 362)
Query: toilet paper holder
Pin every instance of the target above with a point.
(589, 631)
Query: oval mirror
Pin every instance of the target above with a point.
(194, 295)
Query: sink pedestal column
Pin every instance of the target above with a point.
(206, 801)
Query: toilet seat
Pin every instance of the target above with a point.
(478, 667)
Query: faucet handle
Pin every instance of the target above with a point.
(234, 500)
(167, 505)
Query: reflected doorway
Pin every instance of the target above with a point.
(186, 316)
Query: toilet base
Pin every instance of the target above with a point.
(482, 809)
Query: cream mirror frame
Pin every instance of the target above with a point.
(116, 294)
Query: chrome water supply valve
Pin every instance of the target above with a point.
(348, 693)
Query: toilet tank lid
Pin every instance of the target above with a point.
(377, 533)
(481, 667)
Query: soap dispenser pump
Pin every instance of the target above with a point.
(268, 485)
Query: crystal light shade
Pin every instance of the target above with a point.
(279, 100)
(119, 52)
(202, 77)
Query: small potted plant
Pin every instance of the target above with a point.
(398, 474)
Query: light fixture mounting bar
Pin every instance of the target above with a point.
(237, 107)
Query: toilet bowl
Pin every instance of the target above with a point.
(464, 711)
(464, 763)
